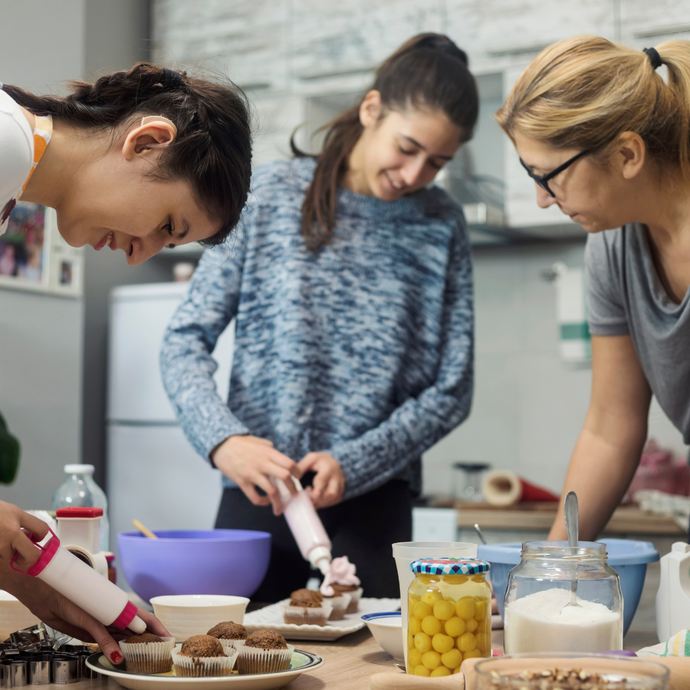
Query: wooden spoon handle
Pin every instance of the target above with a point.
(144, 530)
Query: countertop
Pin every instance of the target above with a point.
(353, 659)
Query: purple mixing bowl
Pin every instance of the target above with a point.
(219, 561)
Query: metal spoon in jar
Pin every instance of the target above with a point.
(572, 527)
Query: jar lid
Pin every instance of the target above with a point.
(449, 566)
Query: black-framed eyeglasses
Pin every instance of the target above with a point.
(543, 180)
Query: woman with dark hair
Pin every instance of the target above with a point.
(136, 161)
(351, 288)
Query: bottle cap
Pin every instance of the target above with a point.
(78, 512)
(79, 469)
(320, 557)
(449, 566)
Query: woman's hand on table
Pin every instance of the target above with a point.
(252, 462)
(14, 526)
(58, 612)
(328, 485)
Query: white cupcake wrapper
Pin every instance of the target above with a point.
(339, 604)
(231, 644)
(302, 615)
(253, 660)
(148, 657)
(355, 596)
(203, 666)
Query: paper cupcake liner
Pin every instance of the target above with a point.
(254, 660)
(231, 644)
(339, 604)
(148, 657)
(355, 596)
(203, 666)
(302, 615)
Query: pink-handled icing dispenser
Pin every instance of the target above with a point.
(80, 583)
(306, 526)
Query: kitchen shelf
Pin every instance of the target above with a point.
(540, 516)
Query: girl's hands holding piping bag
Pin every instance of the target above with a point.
(328, 484)
(60, 613)
(252, 462)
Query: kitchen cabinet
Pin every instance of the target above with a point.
(498, 33)
(246, 39)
(645, 25)
(332, 40)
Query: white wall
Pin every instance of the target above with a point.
(40, 336)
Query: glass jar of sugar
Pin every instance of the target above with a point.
(449, 615)
(539, 615)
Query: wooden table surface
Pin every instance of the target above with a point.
(349, 662)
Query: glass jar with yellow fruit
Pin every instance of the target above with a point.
(449, 615)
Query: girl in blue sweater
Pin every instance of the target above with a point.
(351, 288)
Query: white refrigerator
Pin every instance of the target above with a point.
(154, 474)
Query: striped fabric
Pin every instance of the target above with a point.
(678, 645)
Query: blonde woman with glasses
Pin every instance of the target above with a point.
(607, 139)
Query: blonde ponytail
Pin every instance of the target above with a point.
(585, 91)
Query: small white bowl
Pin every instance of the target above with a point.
(185, 615)
(387, 631)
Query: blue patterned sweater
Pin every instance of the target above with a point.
(363, 349)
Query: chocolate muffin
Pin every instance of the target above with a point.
(228, 631)
(306, 597)
(266, 639)
(201, 647)
(147, 653)
(203, 655)
(306, 607)
(143, 638)
(264, 651)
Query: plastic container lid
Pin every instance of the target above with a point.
(620, 552)
(449, 566)
(78, 512)
(79, 469)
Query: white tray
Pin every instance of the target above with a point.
(272, 617)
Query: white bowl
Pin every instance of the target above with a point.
(13, 615)
(185, 615)
(387, 631)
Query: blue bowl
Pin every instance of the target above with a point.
(219, 561)
(627, 557)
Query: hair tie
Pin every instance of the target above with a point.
(653, 56)
(171, 79)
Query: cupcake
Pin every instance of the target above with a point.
(264, 651)
(203, 655)
(229, 634)
(306, 607)
(147, 653)
(341, 586)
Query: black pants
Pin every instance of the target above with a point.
(362, 529)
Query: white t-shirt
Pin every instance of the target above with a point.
(16, 153)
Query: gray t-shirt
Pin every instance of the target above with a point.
(626, 297)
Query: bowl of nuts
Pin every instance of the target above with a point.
(566, 672)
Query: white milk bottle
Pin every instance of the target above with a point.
(305, 525)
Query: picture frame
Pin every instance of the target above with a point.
(34, 257)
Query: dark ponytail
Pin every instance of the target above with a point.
(212, 150)
(429, 71)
